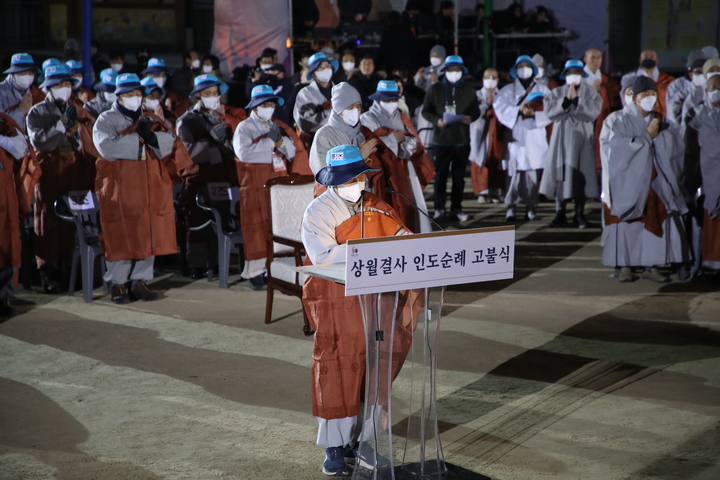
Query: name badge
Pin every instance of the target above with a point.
(80, 200)
(278, 164)
(142, 153)
(219, 191)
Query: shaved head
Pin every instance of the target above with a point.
(648, 55)
(593, 59)
(494, 73)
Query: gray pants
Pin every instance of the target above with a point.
(123, 270)
(522, 187)
(7, 286)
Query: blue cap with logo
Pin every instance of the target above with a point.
(261, 94)
(156, 65)
(127, 82)
(206, 81)
(315, 61)
(572, 63)
(454, 61)
(386, 90)
(523, 59)
(344, 163)
(108, 77)
(75, 67)
(22, 62)
(150, 86)
(58, 73)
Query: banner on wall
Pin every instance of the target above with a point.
(673, 28)
(244, 28)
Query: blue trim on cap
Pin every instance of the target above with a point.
(156, 65)
(521, 59)
(454, 61)
(22, 62)
(339, 175)
(57, 73)
(315, 61)
(207, 80)
(534, 96)
(572, 63)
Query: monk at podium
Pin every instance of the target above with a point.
(344, 211)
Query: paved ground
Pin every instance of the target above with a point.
(560, 373)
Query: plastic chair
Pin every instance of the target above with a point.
(287, 198)
(221, 200)
(81, 208)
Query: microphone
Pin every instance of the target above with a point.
(390, 190)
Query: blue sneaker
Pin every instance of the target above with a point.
(334, 463)
(351, 452)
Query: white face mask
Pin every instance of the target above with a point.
(347, 66)
(489, 83)
(151, 104)
(435, 61)
(207, 68)
(714, 96)
(131, 103)
(195, 63)
(265, 113)
(352, 192)
(648, 103)
(265, 66)
(110, 97)
(699, 80)
(62, 93)
(116, 66)
(389, 107)
(541, 72)
(351, 117)
(628, 99)
(323, 76)
(710, 74)
(453, 77)
(160, 81)
(211, 103)
(524, 73)
(23, 81)
(573, 79)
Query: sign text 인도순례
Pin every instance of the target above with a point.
(387, 264)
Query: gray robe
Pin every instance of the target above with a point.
(335, 133)
(631, 155)
(201, 151)
(10, 96)
(98, 105)
(376, 118)
(677, 92)
(706, 122)
(304, 113)
(261, 151)
(46, 130)
(112, 146)
(571, 155)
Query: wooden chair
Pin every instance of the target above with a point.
(287, 199)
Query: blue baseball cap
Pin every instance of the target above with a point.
(386, 90)
(344, 163)
(535, 96)
(22, 62)
(206, 81)
(57, 73)
(127, 82)
(156, 65)
(75, 67)
(315, 61)
(572, 63)
(108, 77)
(521, 59)
(261, 94)
(150, 86)
(454, 61)
(50, 61)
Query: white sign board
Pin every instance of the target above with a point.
(80, 200)
(219, 191)
(388, 264)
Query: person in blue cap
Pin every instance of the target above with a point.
(526, 148)
(17, 92)
(61, 137)
(139, 162)
(346, 210)
(397, 132)
(312, 104)
(265, 148)
(160, 74)
(105, 97)
(570, 167)
(79, 91)
(206, 130)
(152, 96)
(451, 100)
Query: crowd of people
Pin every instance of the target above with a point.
(146, 141)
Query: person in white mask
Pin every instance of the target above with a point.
(81, 95)
(152, 102)
(61, 137)
(265, 148)
(206, 130)
(683, 86)
(424, 79)
(135, 191)
(349, 65)
(705, 122)
(105, 97)
(346, 210)
(525, 138)
(649, 67)
(542, 77)
(570, 166)
(396, 131)
(160, 74)
(644, 203)
(698, 95)
(117, 61)
(486, 148)
(312, 104)
(17, 92)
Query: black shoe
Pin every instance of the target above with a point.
(50, 284)
(258, 283)
(560, 220)
(140, 291)
(5, 309)
(581, 221)
(197, 273)
(119, 294)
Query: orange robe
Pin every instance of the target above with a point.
(610, 93)
(491, 175)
